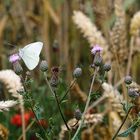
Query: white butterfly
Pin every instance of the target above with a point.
(30, 54)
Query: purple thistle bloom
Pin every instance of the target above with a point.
(96, 48)
(14, 57)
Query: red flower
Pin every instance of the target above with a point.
(17, 120)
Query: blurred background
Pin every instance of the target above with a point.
(68, 38)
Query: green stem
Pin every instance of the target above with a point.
(29, 102)
(67, 91)
(37, 120)
(59, 107)
(86, 107)
(57, 101)
(121, 124)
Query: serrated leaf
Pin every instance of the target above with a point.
(38, 112)
(130, 130)
(29, 82)
(127, 106)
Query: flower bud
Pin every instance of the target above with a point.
(17, 68)
(54, 81)
(98, 60)
(107, 67)
(128, 80)
(77, 114)
(77, 72)
(132, 93)
(43, 66)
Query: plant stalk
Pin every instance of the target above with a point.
(87, 104)
(67, 91)
(57, 101)
(114, 137)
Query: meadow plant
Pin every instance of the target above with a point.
(102, 99)
(100, 70)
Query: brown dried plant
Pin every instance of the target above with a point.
(13, 85)
(3, 132)
(90, 31)
(90, 120)
(114, 97)
(118, 33)
(5, 105)
(135, 24)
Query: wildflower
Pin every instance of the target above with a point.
(13, 58)
(77, 72)
(96, 49)
(17, 121)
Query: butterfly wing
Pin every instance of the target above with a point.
(30, 54)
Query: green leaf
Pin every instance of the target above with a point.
(130, 130)
(64, 101)
(127, 106)
(51, 98)
(38, 111)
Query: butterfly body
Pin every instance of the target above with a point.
(30, 54)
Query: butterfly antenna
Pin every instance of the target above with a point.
(7, 43)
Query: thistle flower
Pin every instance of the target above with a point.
(96, 49)
(13, 58)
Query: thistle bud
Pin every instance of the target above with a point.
(55, 77)
(77, 114)
(98, 60)
(43, 66)
(77, 72)
(54, 81)
(17, 68)
(107, 67)
(128, 80)
(132, 93)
